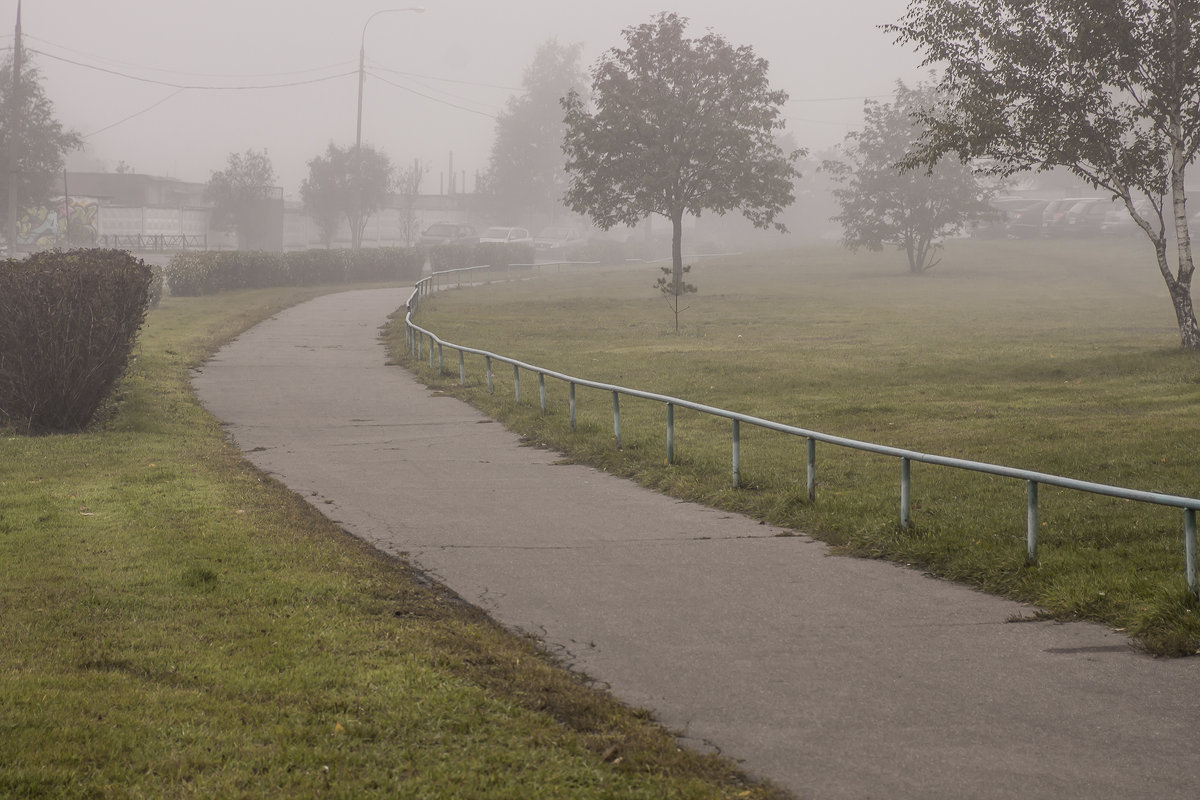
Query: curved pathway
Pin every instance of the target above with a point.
(835, 677)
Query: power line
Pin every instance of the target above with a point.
(446, 80)
(173, 85)
(92, 56)
(430, 97)
(444, 94)
(135, 114)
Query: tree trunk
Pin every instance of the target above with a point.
(356, 230)
(677, 248)
(1185, 315)
(1180, 285)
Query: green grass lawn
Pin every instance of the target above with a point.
(174, 624)
(1060, 357)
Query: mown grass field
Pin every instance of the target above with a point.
(1060, 357)
(173, 624)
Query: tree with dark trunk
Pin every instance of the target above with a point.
(346, 182)
(41, 142)
(913, 210)
(680, 126)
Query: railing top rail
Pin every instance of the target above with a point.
(841, 441)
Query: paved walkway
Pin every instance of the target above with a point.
(835, 677)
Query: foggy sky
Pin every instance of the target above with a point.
(455, 65)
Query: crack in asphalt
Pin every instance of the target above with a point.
(593, 545)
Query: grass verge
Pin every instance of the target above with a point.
(1060, 357)
(174, 624)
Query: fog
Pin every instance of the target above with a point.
(436, 79)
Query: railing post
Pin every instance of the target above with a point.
(670, 433)
(617, 418)
(431, 351)
(812, 470)
(462, 369)
(1031, 524)
(1189, 548)
(487, 361)
(905, 492)
(517, 383)
(440, 360)
(737, 453)
(572, 392)
(542, 391)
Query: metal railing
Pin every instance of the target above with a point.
(416, 342)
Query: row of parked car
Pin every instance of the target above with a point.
(548, 240)
(1025, 218)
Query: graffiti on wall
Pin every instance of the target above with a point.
(62, 223)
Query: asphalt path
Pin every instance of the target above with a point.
(834, 677)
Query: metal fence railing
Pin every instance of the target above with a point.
(422, 342)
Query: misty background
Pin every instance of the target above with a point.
(164, 89)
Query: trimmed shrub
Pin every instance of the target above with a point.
(498, 254)
(313, 267)
(193, 274)
(156, 285)
(453, 256)
(68, 323)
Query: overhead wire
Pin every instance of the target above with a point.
(410, 90)
(94, 57)
(446, 80)
(135, 114)
(203, 87)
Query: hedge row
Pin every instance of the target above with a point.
(68, 322)
(208, 272)
(478, 254)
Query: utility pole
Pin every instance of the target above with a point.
(15, 121)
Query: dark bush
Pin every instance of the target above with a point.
(386, 264)
(498, 254)
(453, 256)
(156, 285)
(68, 322)
(193, 274)
(314, 267)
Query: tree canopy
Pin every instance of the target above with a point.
(526, 169)
(241, 195)
(1107, 89)
(680, 126)
(42, 142)
(346, 182)
(914, 209)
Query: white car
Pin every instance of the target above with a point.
(506, 236)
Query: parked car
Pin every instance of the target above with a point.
(1055, 213)
(1026, 222)
(506, 236)
(1118, 222)
(447, 233)
(1085, 217)
(995, 225)
(556, 240)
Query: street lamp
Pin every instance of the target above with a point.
(362, 60)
